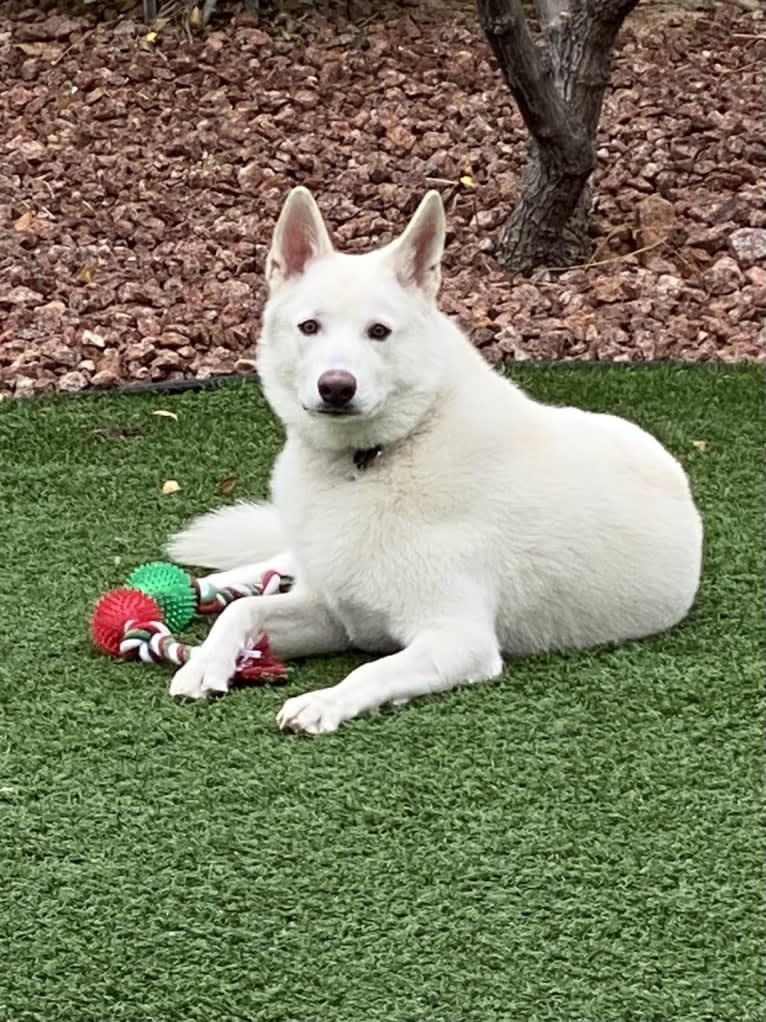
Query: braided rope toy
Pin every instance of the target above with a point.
(136, 621)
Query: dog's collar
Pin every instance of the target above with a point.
(364, 458)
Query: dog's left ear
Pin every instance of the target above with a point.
(417, 253)
(299, 237)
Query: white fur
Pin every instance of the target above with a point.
(489, 523)
(230, 536)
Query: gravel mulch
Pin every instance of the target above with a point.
(140, 178)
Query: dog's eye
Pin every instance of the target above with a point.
(378, 332)
(308, 327)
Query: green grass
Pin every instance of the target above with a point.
(580, 842)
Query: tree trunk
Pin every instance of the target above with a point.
(549, 223)
(559, 88)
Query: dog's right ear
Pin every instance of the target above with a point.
(299, 237)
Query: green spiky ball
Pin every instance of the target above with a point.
(171, 587)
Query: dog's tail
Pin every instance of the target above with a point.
(229, 537)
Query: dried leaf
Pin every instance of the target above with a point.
(467, 181)
(227, 485)
(164, 414)
(170, 486)
(151, 37)
(26, 222)
(85, 276)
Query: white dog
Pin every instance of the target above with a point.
(429, 510)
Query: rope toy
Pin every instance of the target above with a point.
(137, 621)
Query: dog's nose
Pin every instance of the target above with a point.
(336, 387)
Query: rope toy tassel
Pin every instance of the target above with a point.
(256, 663)
(132, 621)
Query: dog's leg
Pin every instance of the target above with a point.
(249, 574)
(297, 623)
(439, 657)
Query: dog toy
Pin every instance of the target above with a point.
(137, 621)
(171, 587)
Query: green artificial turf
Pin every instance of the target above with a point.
(579, 842)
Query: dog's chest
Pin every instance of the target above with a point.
(357, 533)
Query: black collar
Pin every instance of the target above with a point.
(363, 459)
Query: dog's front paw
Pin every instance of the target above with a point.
(199, 678)
(315, 713)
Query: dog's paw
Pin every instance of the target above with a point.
(199, 678)
(315, 713)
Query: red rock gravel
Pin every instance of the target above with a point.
(139, 183)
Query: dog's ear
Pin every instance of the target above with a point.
(417, 253)
(299, 237)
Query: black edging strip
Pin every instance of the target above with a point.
(166, 386)
(179, 386)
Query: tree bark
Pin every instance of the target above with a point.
(548, 226)
(559, 88)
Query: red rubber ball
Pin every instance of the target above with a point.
(112, 613)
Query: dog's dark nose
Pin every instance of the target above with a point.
(336, 387)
